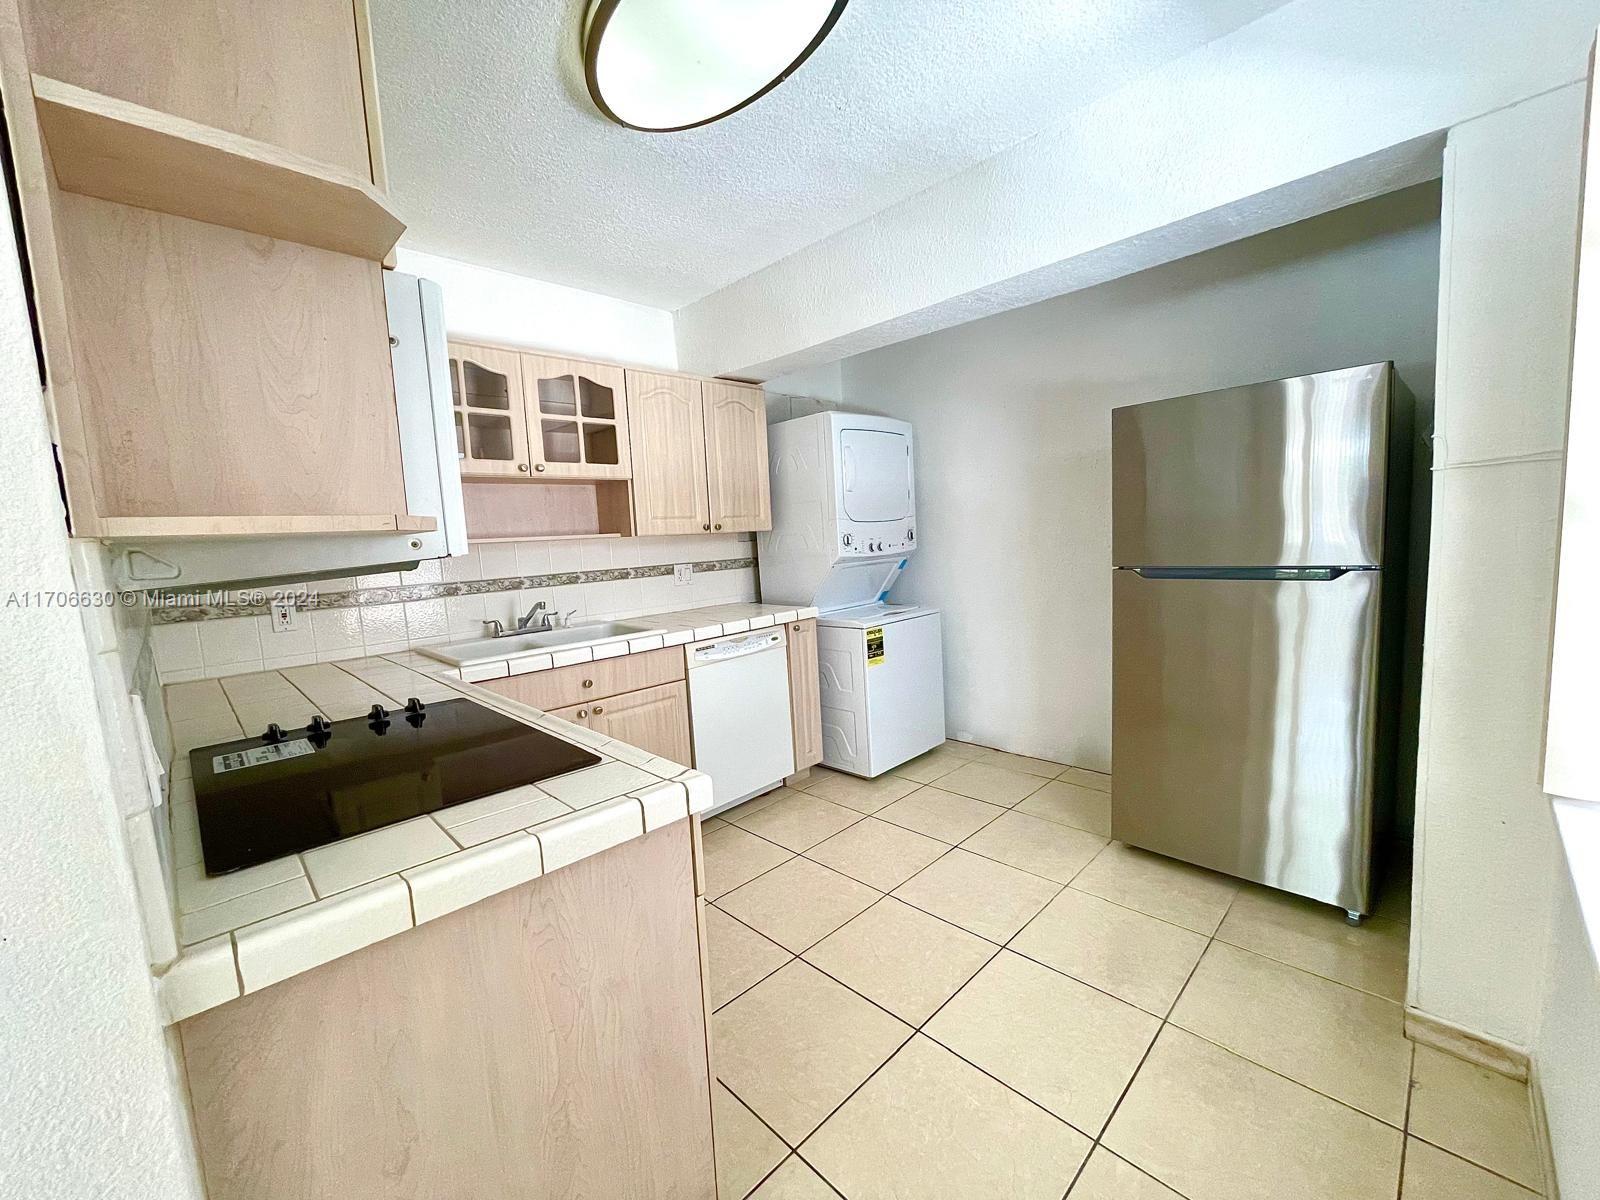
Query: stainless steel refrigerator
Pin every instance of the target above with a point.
(1258, 539)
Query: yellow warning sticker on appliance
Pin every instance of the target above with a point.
(874, 646)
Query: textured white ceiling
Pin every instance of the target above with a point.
(496, 155)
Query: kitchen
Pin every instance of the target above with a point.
(726, 644)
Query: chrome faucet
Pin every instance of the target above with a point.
(523, 624)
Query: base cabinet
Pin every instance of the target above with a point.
(547, 1042)
(655, 720)
(805, 694)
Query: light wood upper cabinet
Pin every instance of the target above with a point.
(669, 454)
(699, 455)
(214, 363)
(736, 458)
(577, 418)
(805, 694)
(490, 418)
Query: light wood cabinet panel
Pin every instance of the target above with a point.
(666, 418)
(221, 374)
(736, 458)
(567, 686)
(577, 418)
(490, 419)
(805, 694)
(655, 720)
(288, 73)
(547, 1042)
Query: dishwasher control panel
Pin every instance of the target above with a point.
(734, 646)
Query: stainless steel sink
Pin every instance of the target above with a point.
(493, 649)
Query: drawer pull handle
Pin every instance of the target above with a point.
(588, 683)
(598, 710)
(583, 714)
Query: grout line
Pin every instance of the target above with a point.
(1405, 1120)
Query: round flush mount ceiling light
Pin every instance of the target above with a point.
(666, 65)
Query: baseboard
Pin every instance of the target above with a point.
(1541, 1135)
(1497, 1056)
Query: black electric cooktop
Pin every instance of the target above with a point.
(291, 790)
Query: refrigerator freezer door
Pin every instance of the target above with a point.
(1243, 726)
(1288, 473)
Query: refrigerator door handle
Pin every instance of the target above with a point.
(1277, 574)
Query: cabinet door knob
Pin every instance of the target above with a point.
(795, 627)
(588, 683)
(538, 466)
(583, 714)
(718, 525)
(706, 527)
(522, 466)
(598, 710)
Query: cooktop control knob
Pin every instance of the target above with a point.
(413, 705)
(378, 713)
(320, 724)
(274, 734)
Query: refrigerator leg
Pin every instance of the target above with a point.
(1351, 917)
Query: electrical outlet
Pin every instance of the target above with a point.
(285, 616)
(682, 573)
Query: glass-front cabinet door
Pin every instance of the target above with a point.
(577, 418)
(487, 402)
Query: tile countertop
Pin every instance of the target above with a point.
(678, 628)
(247, 930)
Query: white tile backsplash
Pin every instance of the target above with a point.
(227, 646)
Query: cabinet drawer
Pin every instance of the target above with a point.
(566, 686)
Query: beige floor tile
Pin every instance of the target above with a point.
(1059, 1042)
(794, 1181)
(932, 1127)
(1137, 958)
(798, 821)
(746, 1149)
(982, 896)
(1316, 938)
(901, 958)
(966, 750)
(1040, 847)
(941, 814)
(750, 807)
(984, 781)
(734, 857)
(1344, 1043)
(863, 795)
(1099, 780)
(1215, 1127)
(795, 1045)
(1159, 887)
(877, 853)
(1042, 767)
(799, 903)
(928, 767)
(1107, 1177)
(1070, 804)
(1431, 1174)
(740, 957)
(1475, 1114)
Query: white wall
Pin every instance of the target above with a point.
(1013, 440)
(514, 310)
(1566, 1052)
(90, 1105)
(1485, 852)
(1315, 105)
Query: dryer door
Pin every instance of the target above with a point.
(875, 475)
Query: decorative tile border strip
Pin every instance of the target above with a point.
(171, 608)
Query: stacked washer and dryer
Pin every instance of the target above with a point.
(843, 529)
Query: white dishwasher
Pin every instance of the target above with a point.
(739, 707)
